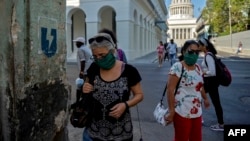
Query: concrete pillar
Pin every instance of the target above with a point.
(94, 26)
(34, 92)
(138, 39)
(125, 30)
(141, 39)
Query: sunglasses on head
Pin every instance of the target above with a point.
(99, 39)
(193, 52)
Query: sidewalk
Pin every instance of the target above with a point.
(245, 52)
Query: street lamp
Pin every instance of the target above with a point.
(230, 22)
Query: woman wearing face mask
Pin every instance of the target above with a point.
(185, 108)
(110, 82)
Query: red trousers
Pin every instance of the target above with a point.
(187, 129)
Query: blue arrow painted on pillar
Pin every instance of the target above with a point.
(49, 49)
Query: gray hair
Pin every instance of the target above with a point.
(107, 42)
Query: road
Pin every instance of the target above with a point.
(235, 99)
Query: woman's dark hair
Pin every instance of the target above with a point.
(161, 42)
(185, 47)
(209, 46)
(111, 33)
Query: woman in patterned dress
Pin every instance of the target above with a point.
(111, 83)
(186, 106)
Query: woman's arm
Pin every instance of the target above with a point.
(171, 86)
(204, 96)
(137, 95)
(120, 108)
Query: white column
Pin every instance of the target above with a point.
(69, 41)
(141, 39)
(92, 29)
(144, 39)
(138, 40)
(124, 39)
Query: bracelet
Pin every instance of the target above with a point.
(126, 104)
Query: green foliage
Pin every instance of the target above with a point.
(217, 13)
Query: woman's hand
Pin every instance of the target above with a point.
(117, 110)
(206, 103)
(87, 88)
(169, 118)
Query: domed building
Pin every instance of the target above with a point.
(181, 21)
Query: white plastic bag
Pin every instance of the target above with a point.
(159, 113)
(79, 83)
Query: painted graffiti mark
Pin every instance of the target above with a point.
(49, 46)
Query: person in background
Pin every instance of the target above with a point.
(166, 55)
(211, 85)
(172, 47)
(110, 83)
(239, 48)
(185, 108)
(84, 60)
(119, 53)
(160, 53)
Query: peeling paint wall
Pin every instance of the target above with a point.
(34, 91)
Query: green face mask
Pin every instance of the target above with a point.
(106, 62)
(190, 59)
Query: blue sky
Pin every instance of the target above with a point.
(197, 4)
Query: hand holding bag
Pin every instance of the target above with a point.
(160, 110)
(81, 112)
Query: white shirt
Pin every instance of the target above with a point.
(210, 67)
(172, 48)
(84, 53)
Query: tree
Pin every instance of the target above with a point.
(216, 14)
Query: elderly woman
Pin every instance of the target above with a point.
(110, 82)
(185, 109)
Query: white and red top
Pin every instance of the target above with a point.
(188, 99)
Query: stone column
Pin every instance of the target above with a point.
(93, 28)
(139, 40)
(125, 32)
(142, 38)
(34, 90)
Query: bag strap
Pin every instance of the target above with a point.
(164, 91)
(211, 54)
(139, 121)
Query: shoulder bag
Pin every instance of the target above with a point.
(160, 110)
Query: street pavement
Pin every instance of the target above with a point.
(235, 99)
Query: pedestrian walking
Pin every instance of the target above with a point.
(110, 84)
(166, 55)
(119, 53)
(160, 53)
(185, 107)
(211, 84)
(172, 47)
(84, 55)
(239, 48)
